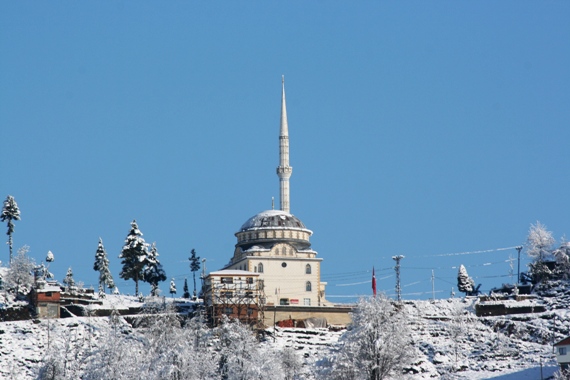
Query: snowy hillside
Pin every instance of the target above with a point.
(449, 342)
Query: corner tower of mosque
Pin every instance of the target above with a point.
(275, 243)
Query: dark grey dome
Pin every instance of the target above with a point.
(272, 219)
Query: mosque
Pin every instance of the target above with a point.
(275, 243)
(274, 252)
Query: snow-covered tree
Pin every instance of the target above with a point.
(562, 256)
(172, 287)
(68, 280)
(241, 356)
(41, 272)
(194, 266)
(153, 273)
(186, 292)
(20, 275)
(465, 283)
(133, 256)
(539, 242)
(50, 257)
(377, 344)
(10, 212)
(101, 265)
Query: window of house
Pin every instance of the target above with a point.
(260, 268)
(248, 294)
(228, 310)
(249, 280)
(308, 286)
(307, 301)
(227, 280)
(249, 311)
(284, 301)
(308, 269)
(48, 294)
(561, 350)
(227, 294)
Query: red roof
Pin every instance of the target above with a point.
(563, 342)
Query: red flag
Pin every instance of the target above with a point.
(373, 282)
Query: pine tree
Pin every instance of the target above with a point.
(186, 292)
(68, 280)
(194, 266)
(50, 257)
(172, 287)
(134, 254)
(10, 212)
(153, 273)
(101, 265)
(465, 283)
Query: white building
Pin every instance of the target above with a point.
(275, 244)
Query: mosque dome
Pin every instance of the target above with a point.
(272, 219)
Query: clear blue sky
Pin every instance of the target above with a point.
(416, 128)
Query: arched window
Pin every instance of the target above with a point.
(308, 286)
(308, 269)
(284, 251)
(260, 268)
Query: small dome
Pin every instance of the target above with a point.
(272, 219)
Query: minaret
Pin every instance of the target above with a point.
(284, 170)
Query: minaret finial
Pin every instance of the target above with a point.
(284, 170)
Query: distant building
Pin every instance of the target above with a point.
(274, 244)
(563, 353)
(46, 299)
(236, 294)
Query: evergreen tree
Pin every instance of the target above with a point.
(10, 212)
(186, 292)
(68, 280)
(194, 266)
(101, 265)
(134, 254)
(153, 273)
(172, 287)
(465, 283)
(50, 257)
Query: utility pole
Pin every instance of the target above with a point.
(397, 269)
(432, 285)
(519, 249)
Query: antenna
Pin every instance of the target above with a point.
(397, 269)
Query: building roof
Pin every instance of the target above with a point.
(233, 272)
(272, 219)
(563, 342)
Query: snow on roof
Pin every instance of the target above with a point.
(233, 272)
(273, 219)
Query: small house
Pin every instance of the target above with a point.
(563, 353)
(46, 298)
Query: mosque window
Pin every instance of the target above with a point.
(307, 301)
(284, 251)
(284, 265)
(308, 286)
(260, 268)
(308, 269)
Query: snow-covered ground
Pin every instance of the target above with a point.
(449, 341)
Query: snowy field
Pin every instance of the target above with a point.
(449, 342)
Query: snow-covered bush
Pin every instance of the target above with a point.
(20, 275)
(376, 345)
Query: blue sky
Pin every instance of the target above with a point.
(417, 128)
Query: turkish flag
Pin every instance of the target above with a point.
(373, 282)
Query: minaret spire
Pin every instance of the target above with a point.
(284, 170)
